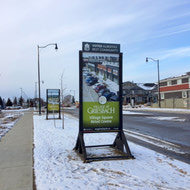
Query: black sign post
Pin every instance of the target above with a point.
(100, 96)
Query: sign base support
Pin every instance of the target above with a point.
(120, 143)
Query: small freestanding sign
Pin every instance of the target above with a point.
(53, 103)
(100, 82)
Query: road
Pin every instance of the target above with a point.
(167, 133)
(172, 127)
(89, 94)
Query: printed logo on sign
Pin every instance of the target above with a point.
(101, 109)
(102, 100)
(87, 47)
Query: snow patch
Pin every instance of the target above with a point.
(168, 118)
(58, 166)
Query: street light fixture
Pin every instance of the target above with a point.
(56, 48)
(157, 61)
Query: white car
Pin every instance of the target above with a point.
(95, 85)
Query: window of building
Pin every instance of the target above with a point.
(174, 82)
(139, 99)
(173, 95)
(185, 80)
(163, 84)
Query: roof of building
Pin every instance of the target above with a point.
(187, 74)
(134, 86)
(147, 86)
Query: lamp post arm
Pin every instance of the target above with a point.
(155, 60)
(47, 45)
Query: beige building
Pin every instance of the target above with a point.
(175, 91)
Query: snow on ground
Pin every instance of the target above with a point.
(144, 108)
(132, 113)
(15, 110)
(168, 118)
(58, 167)
(8, 118)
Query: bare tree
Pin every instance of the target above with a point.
(62, 88)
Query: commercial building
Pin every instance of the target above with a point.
(175, 91)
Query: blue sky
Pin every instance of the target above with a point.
(143, 28)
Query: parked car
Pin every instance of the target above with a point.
(103, 91)
(108, 95)
(88, 79)
(98, 88)
(93, 81)
(114, 98)
(87, 75)
(95, 85)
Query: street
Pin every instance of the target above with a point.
(171, 127)
(167, 133)
(89, 94)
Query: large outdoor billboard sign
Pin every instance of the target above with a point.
(100, 95)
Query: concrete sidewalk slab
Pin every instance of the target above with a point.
(16, 156)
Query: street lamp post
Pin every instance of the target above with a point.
(56, 48)
(157, 61)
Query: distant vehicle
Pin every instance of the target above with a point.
(108, 95)
(98, 88)
(93, 81)
(103, 91)
(114, 98)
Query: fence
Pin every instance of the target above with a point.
(174, 103)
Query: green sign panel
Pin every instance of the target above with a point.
(99, 116)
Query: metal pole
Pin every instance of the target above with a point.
(158, 83)
(56, 48)
(39, 82)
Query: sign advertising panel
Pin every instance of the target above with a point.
(101, 80)
(53, 101)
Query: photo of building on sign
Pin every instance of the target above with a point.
(100, 76)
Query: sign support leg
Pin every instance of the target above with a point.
(121, 142)
(80, 146)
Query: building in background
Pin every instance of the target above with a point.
(175, 91)
(139, 93)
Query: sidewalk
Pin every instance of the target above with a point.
(16, 156)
